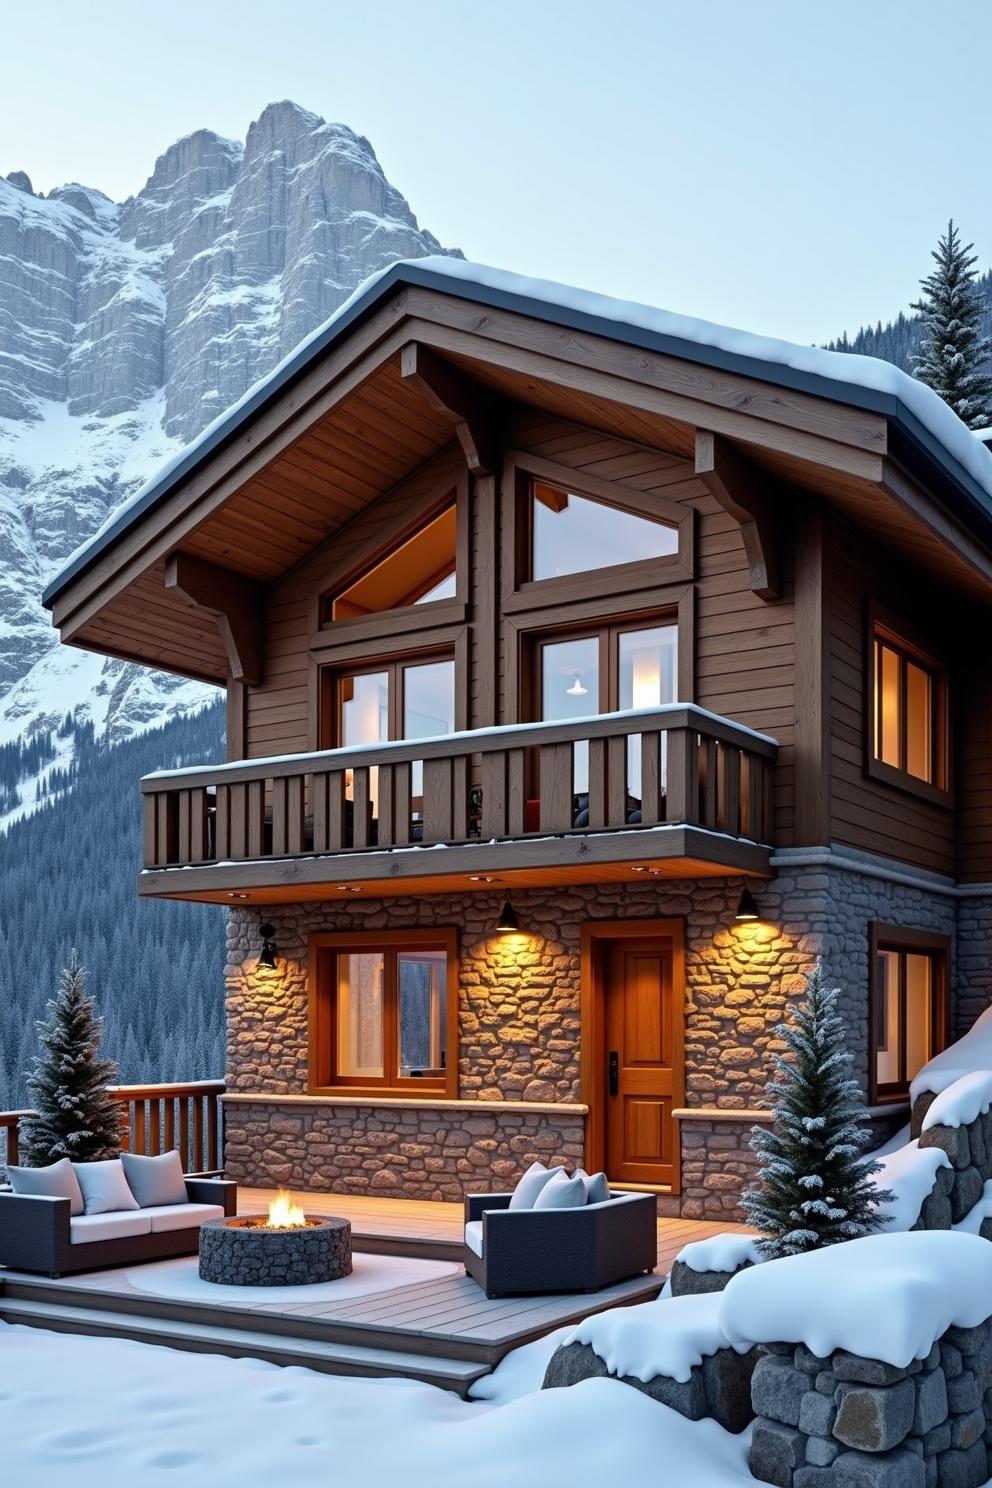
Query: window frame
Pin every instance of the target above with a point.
(905, 940)
(325, 947)
(607, 633)
(909, 646)
(333, 674)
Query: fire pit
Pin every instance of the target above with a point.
(288, 1248)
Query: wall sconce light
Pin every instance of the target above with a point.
(577, 689)
(747, 906)
(507, 922)
(269, 951)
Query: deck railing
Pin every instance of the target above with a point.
(677, 764)
(154, 1119)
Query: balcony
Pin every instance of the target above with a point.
(673, 790)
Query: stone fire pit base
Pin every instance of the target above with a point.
(244, 1252)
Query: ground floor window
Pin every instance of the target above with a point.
(908, 1005)
(383, 1012)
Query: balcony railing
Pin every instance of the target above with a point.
(674, 765)
(154, 1119)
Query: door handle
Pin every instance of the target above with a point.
(613, 1072)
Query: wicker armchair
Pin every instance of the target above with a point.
(512, 1252)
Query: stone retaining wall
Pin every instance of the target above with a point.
(849, 1422)
(958, 1188)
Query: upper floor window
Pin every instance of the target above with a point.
(418, 571)
(572, 534)
(909, 713)
(908, 1006)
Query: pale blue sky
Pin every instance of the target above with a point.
(784, 167)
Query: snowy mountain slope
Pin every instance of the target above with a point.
(126, 328)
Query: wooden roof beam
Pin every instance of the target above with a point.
(234, 602)
(744, 493)
(469, 407)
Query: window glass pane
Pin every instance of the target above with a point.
(887, 710)
(428, 708)
(421, 978)
(570, 689)
(364, 720)
(360, 980)
(919, 993)
(572, 534)
(919, 716)
(421, 569)
(887, 1034)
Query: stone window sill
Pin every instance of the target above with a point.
(404, 1103)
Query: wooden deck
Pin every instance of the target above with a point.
(442, 1331)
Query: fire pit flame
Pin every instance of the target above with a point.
(284, 1214)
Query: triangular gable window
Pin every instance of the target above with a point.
(419, 571)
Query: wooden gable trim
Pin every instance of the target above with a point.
(454, 394)
(744, 492)
(234, 603)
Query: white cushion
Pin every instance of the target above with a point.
(530, 1185)
(181, 1216)
(155, 1180)
(57, 1181)
(562, 1193)
(104, 1187)
(473, 1236)
(108, 1227)
(596, 1186)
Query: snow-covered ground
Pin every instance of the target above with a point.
(93, 1411)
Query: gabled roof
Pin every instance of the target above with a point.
(959, 465)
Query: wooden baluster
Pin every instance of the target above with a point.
(139, 1127)
(556, 789)
(167, 826)
(255, 819)
(337, 816)
(13, 1144)
(361, 806)
(279, 817)
(459, 798)
(651, 808)
(710, 775)
(683, 775)
(730, 789)
(213, 1143)
(294, 814)
(170, 1123)
(239, 820)
(223, 824)
(318, 805)
(493, 777)
(183, 850)
(184, 1132)
(197, 825)
(516, 793)
(197, 1102)
(151, 857)
(438, 815)
(401, 803)
(154, 1127)
(616, 781)
(387, 807)
(598, 810)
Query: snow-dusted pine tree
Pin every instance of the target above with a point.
(954, 355)
(814, 1184)
(74, 1116)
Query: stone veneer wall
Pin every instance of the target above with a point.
(520, 1027)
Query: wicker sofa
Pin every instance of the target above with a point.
(511, 1252)
(38, 1234)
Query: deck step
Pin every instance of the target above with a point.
(329, 1357)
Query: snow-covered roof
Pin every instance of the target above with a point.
(860, 381)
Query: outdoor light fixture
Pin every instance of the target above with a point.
(268, 953)
(576, 689)
(507, 922)
(747, 907)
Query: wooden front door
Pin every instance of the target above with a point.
(642, 1022)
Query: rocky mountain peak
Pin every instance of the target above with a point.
(126, 328)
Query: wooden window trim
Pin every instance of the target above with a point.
(607, 634)
(395, 664)
(356, 656)
(903, 638)
(323, 949)
(902, 938)
(523, 593)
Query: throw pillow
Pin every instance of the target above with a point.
(530, 1185)
(597, 1187)
(562, 1193)
(155, 1180)
(104, 1186)
(57, 1181)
